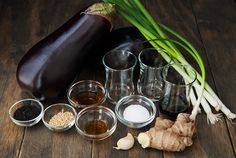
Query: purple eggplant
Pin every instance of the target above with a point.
(52, 64)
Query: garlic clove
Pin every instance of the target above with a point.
(144, 140)
(125, 143)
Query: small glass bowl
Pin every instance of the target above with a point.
(26, 102)
(143, 101)
(86, 93)
(53, 110)
(93, 114)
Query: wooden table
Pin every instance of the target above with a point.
(209, 24)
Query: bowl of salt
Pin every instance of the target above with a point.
(135, 111)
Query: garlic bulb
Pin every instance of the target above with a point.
(125, 143)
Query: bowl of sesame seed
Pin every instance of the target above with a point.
(59, 117)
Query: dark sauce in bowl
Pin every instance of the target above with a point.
(26, 113)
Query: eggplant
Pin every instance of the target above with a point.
(48, 68)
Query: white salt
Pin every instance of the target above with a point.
(136, 113)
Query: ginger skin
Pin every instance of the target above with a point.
(183, 126)
(169, 136)
(163, 123)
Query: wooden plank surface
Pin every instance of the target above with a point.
(209, 25)
(217, 29)
(168, 12)
(11, 136)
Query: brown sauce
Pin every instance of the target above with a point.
(87, 98)
(96, 127)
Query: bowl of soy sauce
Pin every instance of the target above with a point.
(86, 93)
(96, 122)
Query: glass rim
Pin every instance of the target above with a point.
(154, 67)
(98, 136)
(180, 85)
(56, 105)
(135, 96)
(123, 50)
(69, 91)
(21, 101)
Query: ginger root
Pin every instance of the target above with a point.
(163, 123)
(169, 136)
(183, 126)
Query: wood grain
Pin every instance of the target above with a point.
(217, 28)
(11, 136)
(168, 12)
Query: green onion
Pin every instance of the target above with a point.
(134, 12)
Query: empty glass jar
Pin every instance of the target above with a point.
(119, 66)
(150, 83)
